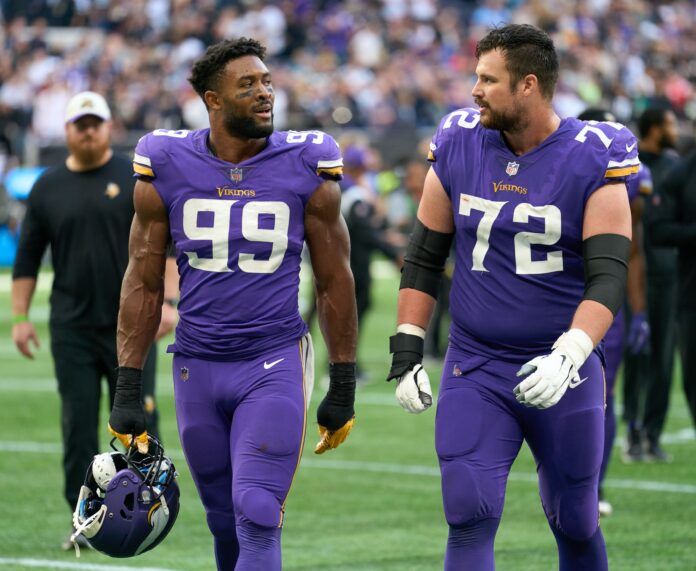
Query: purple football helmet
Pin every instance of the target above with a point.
(129, 501)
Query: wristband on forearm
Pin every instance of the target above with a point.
(128, 386)
(341, 383)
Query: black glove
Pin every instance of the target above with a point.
(337, 407)
(407, 352)
(336, 414)
(127, 419)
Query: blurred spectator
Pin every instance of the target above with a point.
(675, 225)
(355, 63)
(365, 226)
(648, 378)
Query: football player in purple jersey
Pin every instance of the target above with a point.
(540, 211)
(639, 329)
(239, 200)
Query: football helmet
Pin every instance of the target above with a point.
(128, 502)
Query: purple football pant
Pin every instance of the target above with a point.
(479, 429)
(613, 354)
(242, 426)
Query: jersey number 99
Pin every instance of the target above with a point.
(219, 234)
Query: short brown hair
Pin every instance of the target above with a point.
(527, 50)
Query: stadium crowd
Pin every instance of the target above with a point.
(354, 63)
(359, 69)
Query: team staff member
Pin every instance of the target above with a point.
(83, 209)
(365, 228)
(674, 225)
(658, 130)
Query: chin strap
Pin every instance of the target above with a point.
(79, 528)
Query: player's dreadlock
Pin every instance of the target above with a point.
(207, 71)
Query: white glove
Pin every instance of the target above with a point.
(413, 390)
(549, 376)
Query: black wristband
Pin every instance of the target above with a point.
(341, 383)
(407, 350)
(128, 385)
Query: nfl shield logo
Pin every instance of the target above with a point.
(236, 175)
(512, 168)
(184, 374)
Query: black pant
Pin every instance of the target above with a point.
(687, 344)
(81, 357)
(647, 379)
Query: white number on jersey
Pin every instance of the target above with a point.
(590, 128)
(524, 264)
(462, 122)
(218, 234)
(181, 134)
(301, 137)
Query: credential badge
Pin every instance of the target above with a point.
(512, 168)
(236, 175)
(184, 374)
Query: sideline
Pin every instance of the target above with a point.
(381, 468)
(54, 564)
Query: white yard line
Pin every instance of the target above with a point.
(378, 468)
(164, 387)
(53, 564)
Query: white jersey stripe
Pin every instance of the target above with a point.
(624, 163)
(141, 159)
(330, 164)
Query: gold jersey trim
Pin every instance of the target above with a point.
(145, 171)
(611, 173)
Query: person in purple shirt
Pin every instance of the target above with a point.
(239, 200)
(539, 208)
(616, 340)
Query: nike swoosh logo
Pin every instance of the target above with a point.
(629, 148)
(267, 365)
(572, 384)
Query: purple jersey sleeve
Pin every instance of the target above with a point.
(150, 152)
(446, 138)
(614, 150)
(321, 154)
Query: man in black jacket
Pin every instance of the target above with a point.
(83, 209)
(367, 229)
(674, 225)
(647, 378)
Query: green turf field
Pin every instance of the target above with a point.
(373, 504)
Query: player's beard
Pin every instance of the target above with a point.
(667, 142)
(246, 127)
(510, 120)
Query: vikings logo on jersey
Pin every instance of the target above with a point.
(238, 232)
(519, 246)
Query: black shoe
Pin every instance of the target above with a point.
(634, 447)
(656, 453)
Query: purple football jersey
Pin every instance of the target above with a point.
(238, 230)
(519, 274)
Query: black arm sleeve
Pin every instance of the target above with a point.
(425, 259)
(32, 241)
(666, 227)
(606, 269)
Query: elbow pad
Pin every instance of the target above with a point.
(606, 269)
(425, 259)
